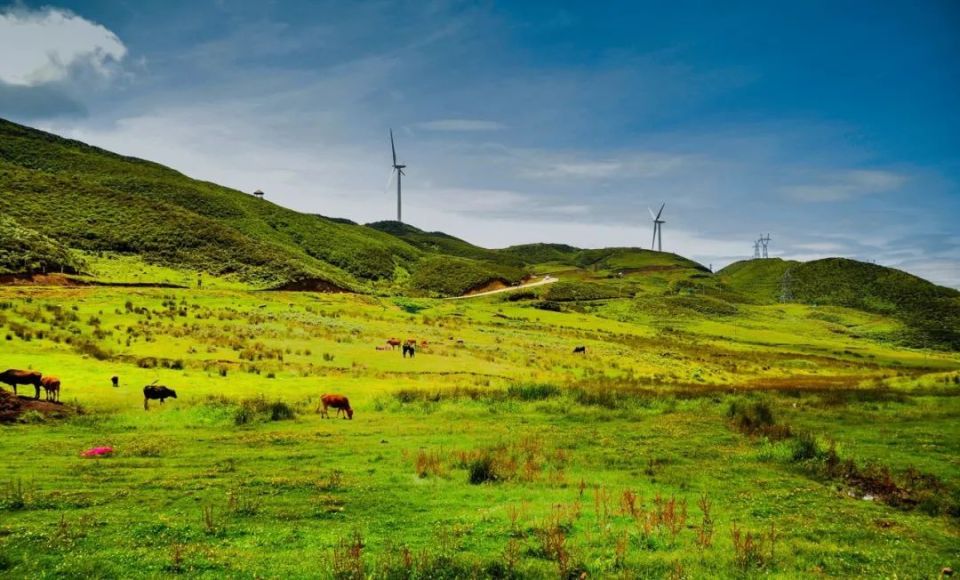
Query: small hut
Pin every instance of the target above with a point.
(258, 194)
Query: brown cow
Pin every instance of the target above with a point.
(52, 386)
(394, 343)
(338, 402)
(14, 377)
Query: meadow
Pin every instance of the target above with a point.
(779, 440)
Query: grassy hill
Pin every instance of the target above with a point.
(441, 243)
(91, 199)
(25, 250)
(931, 312)
(757, 280)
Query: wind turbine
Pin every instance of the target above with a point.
(657, 228)
(398, 169)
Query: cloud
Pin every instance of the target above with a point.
(845, 186)
(45, 46)
(461, 125)
(548, 166)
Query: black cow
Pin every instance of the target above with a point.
(156, 392)
(14, 377)
(580, 349)
(409, 349)
(115, 380)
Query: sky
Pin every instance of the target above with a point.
(833, 126)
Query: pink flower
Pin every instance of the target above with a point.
(97, 452)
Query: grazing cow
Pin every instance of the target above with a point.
(412, 341)
(156, 392)
(409, 349)
(52, 386)
(580, 349)
(394, 343)
(338, 402)
(14, 377)
(382, 347)
(115, 380)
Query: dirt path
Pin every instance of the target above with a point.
(543, 281)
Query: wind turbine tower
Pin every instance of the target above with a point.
(657, 228)
(398, 169)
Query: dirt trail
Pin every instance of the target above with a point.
(543, 281)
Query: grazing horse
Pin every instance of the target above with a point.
(14, 377)
(394, 343)
(156, 392)
(52, 386)
(115, 380)
(580, 349)
(409, 349)
(338, 402)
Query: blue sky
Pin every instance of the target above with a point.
(833, 126)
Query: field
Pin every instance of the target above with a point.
(692, 439)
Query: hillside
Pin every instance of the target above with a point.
(94, 200)
(25, 250)
(931, 312)
(758, 280)
(441, 243)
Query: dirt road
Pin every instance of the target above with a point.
(543, 281)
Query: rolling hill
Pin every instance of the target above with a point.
(930, 312)
(82, 197)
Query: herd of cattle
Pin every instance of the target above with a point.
(154, 392)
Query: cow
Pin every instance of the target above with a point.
(52, 386)
(338, 402)
(580, 349)
(156, 392)
(394, 343)
(412, 341)
(115, 380)
(409, 349)
(14, 377)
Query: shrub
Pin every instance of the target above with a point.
(258, 408)
(806, 447)
(482, 470)
(532, 391)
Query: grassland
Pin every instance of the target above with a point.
(695, 438)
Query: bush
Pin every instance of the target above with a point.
(258, 408)
(532, 392)
(806, 447)
(482, 469)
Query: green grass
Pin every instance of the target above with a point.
(568, 453)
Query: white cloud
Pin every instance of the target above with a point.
(548, 166)
(461, 125)
(845, 186)
(41, 47)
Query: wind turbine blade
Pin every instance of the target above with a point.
(654, 241)
(393, 147)
(661, 210)
(653, 217)
(389, 179)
